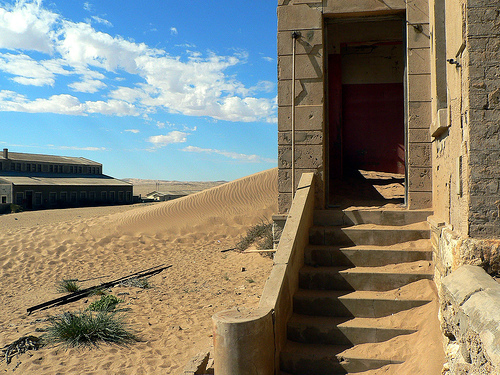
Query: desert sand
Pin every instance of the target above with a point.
(172, 319)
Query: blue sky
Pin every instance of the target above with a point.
(157, 89)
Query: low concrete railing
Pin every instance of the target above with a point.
(470, 318)
(249, 342)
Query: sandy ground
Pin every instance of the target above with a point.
(173, 319)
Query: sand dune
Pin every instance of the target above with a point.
(173, 318)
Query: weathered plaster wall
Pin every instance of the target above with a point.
(467, 154)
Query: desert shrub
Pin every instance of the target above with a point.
(88, 329)
(15, 208)
(260, 234)
(141, 282)
(68, 286)
(105, 303)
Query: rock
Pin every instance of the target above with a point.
(197, 365)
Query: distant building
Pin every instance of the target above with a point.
(36, 181)
(161, 196)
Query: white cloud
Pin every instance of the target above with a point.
(89, 86)
(63, 104)
(135, 131)
(88, 7)
(81, 148)
(26, 70)
(196, 85)
(268, 59)
(173, 31)
(172, 137)
(26, 25)
(102, 21)
(230, 155)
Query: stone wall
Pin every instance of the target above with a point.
(470, 320)
(306, 17)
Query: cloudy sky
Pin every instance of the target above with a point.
(157, 89)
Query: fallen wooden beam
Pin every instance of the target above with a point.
(75, 296)
(260, 251)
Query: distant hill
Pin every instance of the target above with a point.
(143, 187)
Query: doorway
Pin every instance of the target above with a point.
(366, 102)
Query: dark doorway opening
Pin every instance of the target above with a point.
(366, 118)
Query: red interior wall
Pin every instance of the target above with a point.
(373, 127)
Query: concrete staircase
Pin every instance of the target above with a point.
(355, 261)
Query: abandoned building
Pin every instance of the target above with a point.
(35, 181)
(389, 159)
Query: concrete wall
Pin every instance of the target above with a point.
(307, 17)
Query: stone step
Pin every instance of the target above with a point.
(341, 331)
(367, 255)
(328, 218)
(381, 216)
(364, 278)
(331, 235)
(384, 235)
(313, 359)
(362, 304)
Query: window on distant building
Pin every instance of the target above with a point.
(38, 199)
(18, 166)
(64, 196)
(92, 196)
(104, 196)
(51, 168)
(39, 168)
(52, 198)
(73, 197)
(112, 196)
(1, 166)
(80, 170)
(4, 199)
(129, 196)
(12, 166)
(120, 196)
(28, 167)
(70, 169)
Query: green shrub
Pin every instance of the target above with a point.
(88, 329)
(68, 286)
(260, 234)
(106, 303)
(15, 208)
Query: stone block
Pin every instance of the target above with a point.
(419, 199)
(306, 118)
(417, 38)
(197, 365)
(420, 179)
(310, 42)
(285, 178)
(356, 6)
(419, 115)
(419, 155)
(417, 11)
(284, 202)
(307, 92)
(301, 138)
(419, 87)
(306, 66)
(306, 156)
(298, 17)
(419, 61)
(419, 136)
